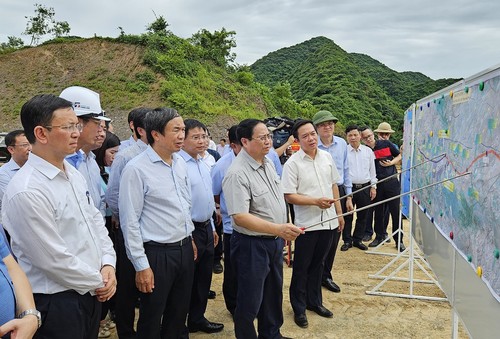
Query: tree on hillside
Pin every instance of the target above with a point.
(217, 45)
(159, 26)
(44, 23)
(12, 44)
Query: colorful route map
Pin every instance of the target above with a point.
(456, 133)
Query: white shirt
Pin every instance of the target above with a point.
(58, 235)
(7, 172)
(314, 178)
(361, 165)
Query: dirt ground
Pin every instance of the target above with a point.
(356, 313)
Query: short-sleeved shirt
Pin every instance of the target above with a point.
(251, 187)
(314, 178)
(384, 150)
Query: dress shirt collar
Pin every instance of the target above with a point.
(320, 143)
(185, 155)
(350, 148)
(253, 163)
(43, 166)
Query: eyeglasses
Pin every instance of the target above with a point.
(198, 137)
(368, 137)
(326, 124)
(25, 145)
(68, 128)
(264, 138)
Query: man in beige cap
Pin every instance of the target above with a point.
(384, 131)
(337, 147)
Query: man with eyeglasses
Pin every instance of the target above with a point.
(19, 149)
(386, 157)
(204, 234)
(87, 106)
(257, 206)
(337, 147)
(309, 182)
(58, 235)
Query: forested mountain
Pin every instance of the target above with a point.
(355, 87)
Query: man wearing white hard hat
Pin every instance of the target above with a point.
(87, 106)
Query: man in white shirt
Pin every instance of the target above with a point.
(57, 234)
(19, 149)
(309, 182)
(362, 173)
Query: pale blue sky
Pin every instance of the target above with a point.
(442, 39)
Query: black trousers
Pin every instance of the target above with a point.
(126, 291)
(308, 262)
(68, 315)
(162, 313)
(259, 268)
(359, 199)
(385, 190)
(335, 235)
(204, 239)
(230, 283)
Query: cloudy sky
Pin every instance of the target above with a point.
(440, 38)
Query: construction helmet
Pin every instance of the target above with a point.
(86, 103)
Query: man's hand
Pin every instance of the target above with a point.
(324, 203)
(216, 238)
(386, 163)
(341, 224)
(23, 328)
(348, 204)
(145, 280)
(373, 193)
(115, 222)
(218, 216)
(195, 250)
(109, 279)
(289, 231)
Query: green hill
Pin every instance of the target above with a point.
(355, 87)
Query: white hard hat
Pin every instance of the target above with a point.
(85, 102)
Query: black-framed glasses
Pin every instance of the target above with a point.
(23, 145)
(68, 128)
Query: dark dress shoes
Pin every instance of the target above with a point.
(375, 242)
(218, 269)
(367, 238)
(301, 320)
(401, 247)
(207, 327)
(346, 246)
(360, 245)
(321, 310)
(330, 285)
(211, 294)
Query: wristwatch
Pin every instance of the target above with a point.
(34, 312)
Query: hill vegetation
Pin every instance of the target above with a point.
(197, 76)
(355, 87)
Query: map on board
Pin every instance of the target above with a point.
(456, 133)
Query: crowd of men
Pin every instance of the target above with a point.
(167, 195)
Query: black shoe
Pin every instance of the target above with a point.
(330, 285)
(375, 243)
(367, 238)
(387, 239)
(346, 246)
(401, 247)
(301, 320)
(218, 269)
(207, 327)
(321, 310)
(211, 294)
(360, 245)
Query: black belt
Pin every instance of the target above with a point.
(260, 236)
(201, 224)
(358, 186)
(179, 243)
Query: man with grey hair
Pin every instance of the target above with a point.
(155, 217)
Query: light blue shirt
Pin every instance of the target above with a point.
(87, 166)
(338, 151)
(273, 156)
(201, 188)
(121, 159)
(218, 172)
(126, 143)
(155, 204)
(7, 172)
